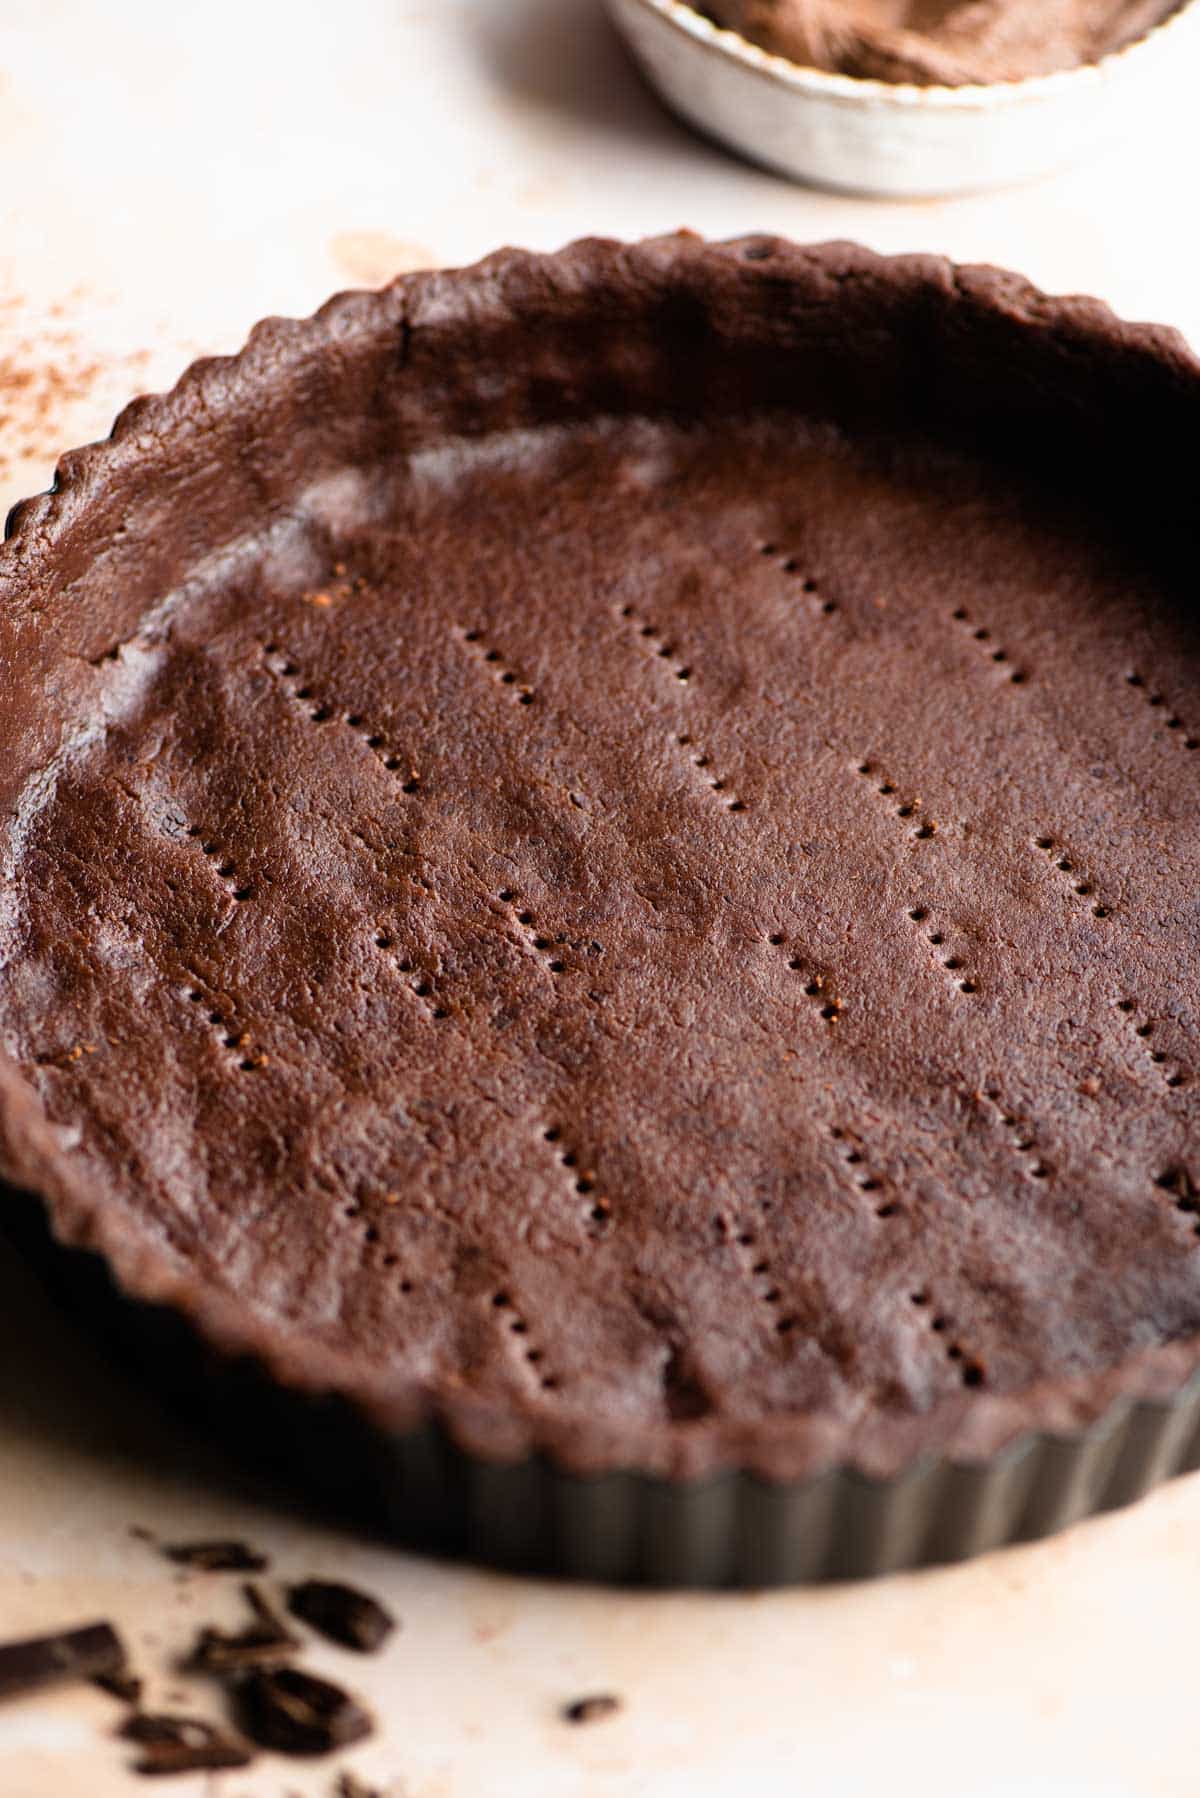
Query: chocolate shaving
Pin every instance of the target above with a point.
(183, 1744)
(347, 1616)
(296, 1713)
(591, 1709)
(265, 1643)
(217, 1557)
(76, 1654)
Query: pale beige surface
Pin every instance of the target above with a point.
(172, 172)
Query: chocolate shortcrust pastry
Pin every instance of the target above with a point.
(606, 848)
(941, 43)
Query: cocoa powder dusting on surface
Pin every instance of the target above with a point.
(48, 372)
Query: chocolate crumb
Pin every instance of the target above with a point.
(296, 1713)
(592, 1708)
(217, 1557)
(343, 1613)
(123, 1685)
(183, 1744)
(74, 1654)
(264, 1643)
(349, 1785)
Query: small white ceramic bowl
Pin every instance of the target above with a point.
(875, 137)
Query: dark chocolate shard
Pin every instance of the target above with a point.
(264, 1643)
(296, 1713)
(592, 1708)
(343, 1613)
(74, 1654)
(183, 1744)
(217, 1557)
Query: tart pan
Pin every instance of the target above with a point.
(1101, 399)
(732, 1529)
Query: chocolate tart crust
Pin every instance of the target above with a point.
(690, 520)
